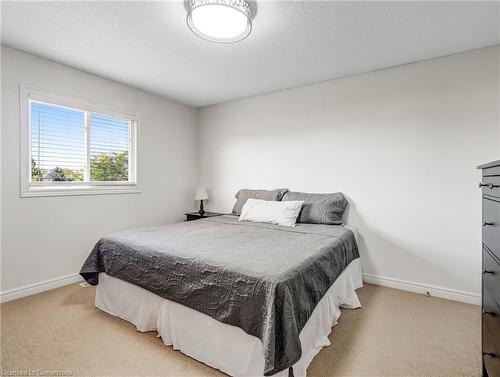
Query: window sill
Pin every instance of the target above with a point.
(77, 190)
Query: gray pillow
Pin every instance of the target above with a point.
(319, 208)
(244, 194)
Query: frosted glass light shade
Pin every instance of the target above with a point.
(223, 21)
(201, 194)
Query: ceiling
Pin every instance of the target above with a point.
(148, 45)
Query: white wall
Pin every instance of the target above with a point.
(47, 238)
(401, 143)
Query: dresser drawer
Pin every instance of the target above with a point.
(491, 274)
(491, 358)
(492, 186)
(492, 365)
(491, 225)
(491, 320)
(488, 345)
(492, 170)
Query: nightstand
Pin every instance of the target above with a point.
(196, 215)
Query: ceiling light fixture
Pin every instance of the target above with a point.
(222, 21)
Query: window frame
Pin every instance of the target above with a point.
(28, 94)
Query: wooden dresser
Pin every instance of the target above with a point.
(490, 186)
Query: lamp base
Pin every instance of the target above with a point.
(201, 211)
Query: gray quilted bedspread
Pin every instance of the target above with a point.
(265, 279)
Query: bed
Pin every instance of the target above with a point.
(246, 298)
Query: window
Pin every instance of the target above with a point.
(70, 148)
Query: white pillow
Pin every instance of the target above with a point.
(267, 211)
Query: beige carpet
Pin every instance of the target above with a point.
(395, 334)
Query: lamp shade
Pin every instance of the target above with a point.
(222, 21)
(201, 194)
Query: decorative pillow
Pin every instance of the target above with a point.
(244, 194)
(265, 211)
(319, 208)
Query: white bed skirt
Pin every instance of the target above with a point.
(214, 343)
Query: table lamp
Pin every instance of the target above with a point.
(201, 195)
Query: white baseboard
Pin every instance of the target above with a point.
(32, 289)
(450, 294)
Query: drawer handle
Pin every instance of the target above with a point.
(487, 272)
(486, 223)
(488, 313)
(490, 185)
(488, 354)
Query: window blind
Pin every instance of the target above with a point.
(57, 143)
(72, 145)
(109, 146)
